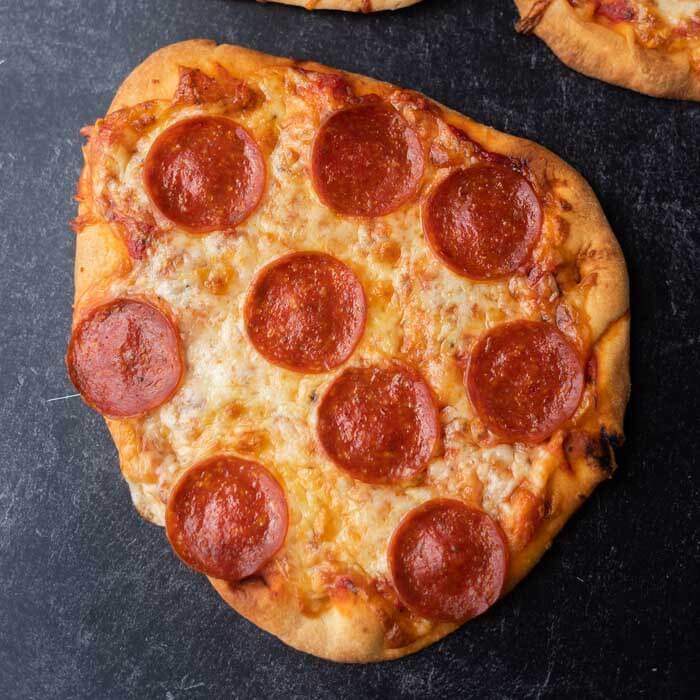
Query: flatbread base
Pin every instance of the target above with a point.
(350, 629)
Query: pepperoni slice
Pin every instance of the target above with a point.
(306, 312)
(379, 423)
(124, 358)
(483, 221)
(448, 561)
(205, 174)
(524, 379)
(226, 517)
(366, 160)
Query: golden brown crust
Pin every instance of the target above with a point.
(349, 5)
(600, 52)
(612, 359)
(349, 629)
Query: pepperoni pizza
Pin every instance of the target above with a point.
(652, 46)
(360, 355)
(365, 6)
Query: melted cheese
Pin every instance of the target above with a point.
(233, 400)
(676, 11)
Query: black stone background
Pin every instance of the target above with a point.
(92, 602)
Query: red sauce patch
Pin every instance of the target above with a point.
(333, 86)
(306, 312)
(124, 358)
(483, 221)
(616, 10)
(448, 561)
(525, 379)
(379, 424)
(366, 160)
(205, 174)
(226, 517)
(138, 234)
(689, 28)
(196, 87)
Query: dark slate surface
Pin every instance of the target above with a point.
(92, 602)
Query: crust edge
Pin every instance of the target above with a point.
(348, 632)
(602, 53)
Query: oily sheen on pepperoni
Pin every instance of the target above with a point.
(524, 379)
(482, 221)
(448, 561)
(366, 160)
(306, 312)
(226, 517)
(205, 174)
(124, 358)
(378, 423)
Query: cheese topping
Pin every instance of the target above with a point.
(677, 11)
(232, 400)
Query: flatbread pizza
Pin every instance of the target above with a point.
(361, 356)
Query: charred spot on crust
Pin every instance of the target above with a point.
(532, 17)
(615, 440)
(596, 450)
(604, 457)
(547, 507)
(604, 454)
(592, 372)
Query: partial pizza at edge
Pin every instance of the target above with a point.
(349, 5)
(651, 46)
(328, 336)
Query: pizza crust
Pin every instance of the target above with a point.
(599, 52)
(349, 628)
(349, 631)
(349, 5)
